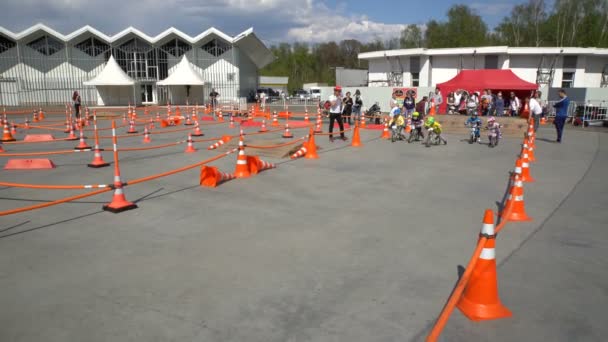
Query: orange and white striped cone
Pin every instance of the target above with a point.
(68, 124)
(525, 167)
(256, 165)
(13, 129)
(362, 121)
(319, 126)
(530, 132)
(220, 116)
(151, 124)
(194, 116)
(124, 119)
(480, 299)
(188, 121)
(211, 177)
(6, 134)
(35, 117)
(132, 129)
(190, 146)
(529, 147)
(263, 128)
(300, 153)
(147, 139)
(250, 116)
(385, 132)
(231, 121)
(40, 114)
(275, 119)
(543, 120)
(514, 209)
(287, 134)
(197, 130)
(158, 119)
(222, 141)
(242, 168)
(119, 201)
(71, 135)
(82, 145)
(26, 125)
(306, 118)
(311, 146)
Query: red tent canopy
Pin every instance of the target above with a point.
(478, 80)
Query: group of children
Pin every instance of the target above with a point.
(493, 127)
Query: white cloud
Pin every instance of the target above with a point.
(492, 9)
(273, 20)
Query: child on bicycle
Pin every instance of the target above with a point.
(493, 128)
(417, 122)
(433, 126)
(476, 122)
(397, 123)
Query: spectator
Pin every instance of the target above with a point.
(263, 100)
(457, 98)
(421, 106)
(561, 113)
(348, 107)
(500, 104)
(437, 97)
(213, 95)
(486, 103)
(393, 102)
(409, 104)
(451, 103)
(335, 113)
(76, 103)
(358, 104)
(514, 105)
(472, 104)
(536, 110)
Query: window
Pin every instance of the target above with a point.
(46, 45)
(92, 47)
(569, 62)
(415, 64)
(216, 47)
(415, 79)
(491, 62)
(567, 79)
(231, 77)
(135, 45)
(176, 47)
(6, 44)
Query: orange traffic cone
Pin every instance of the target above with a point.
(197, 130)
(275, 119)
(231, 121)
(432, 110)
(6, 134)
(71, 135)
(311, 145)
(158, 119)
(385, 133)
(543, 120)
(263, 128)
(151, 124)
(306, 118)
(212, 177)
(480, 298)
(13, 129)
(300, 153)
(40, 114)
(26, 125)
(132, 127)
(222, 141)
(362, 121)
(319, 126)
(408, 127)
(524, 163)
(97, 157)
(189, 147)
(124, 119)
(356, 138)
(35, 117)
(82, 145)
(194, 116)
(287, 134)
(514, 209)
(1, 149)
(147, 139)
(188, 121)
(529, 146)
(119, 201)
(256, 165)
(242, 169)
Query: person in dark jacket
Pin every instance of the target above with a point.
(409, 104)
(348, 107)
(421, 106)
(561, 114)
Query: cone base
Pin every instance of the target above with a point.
(517, 217)
(356, 144)
(482, 312)
(198, 135)
(190, 150)
(8, 140)
(98, 165)
(81, 148)
(133, 132)
(71, 139)
(188, 124)
(287, 136)
(119, 207)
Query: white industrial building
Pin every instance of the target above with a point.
(566, 67)
(40, 66)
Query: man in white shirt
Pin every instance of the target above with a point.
(536, 109)
(335, 113)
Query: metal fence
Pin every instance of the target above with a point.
(589, 113)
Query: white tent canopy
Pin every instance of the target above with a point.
(111, 75)
(184, 75)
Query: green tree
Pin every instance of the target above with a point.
(411, 37)
(463, 28)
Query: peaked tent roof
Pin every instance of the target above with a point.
(183, 74)
(111, 75)
(473, 80)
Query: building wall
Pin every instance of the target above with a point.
(248, 74)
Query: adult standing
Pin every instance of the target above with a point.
(335, 113)
(422, 106)
(213, 95)
(514, 105)
(500, 104)
(536, 110)
(358, 104)
(409, 104)
(263, 100)
(486, 103)
(561, 113)
(76, 103)
(437, 98)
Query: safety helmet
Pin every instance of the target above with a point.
(415, 114)
(430, 120)
(491, 119)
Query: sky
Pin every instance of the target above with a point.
(274, 21)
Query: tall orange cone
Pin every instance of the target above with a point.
(311, 145)
(222, 141)
(194, 116)
(190, 146)
(220, 116)
(287, 134)
(6, 134)
(256, 165)
(514, 209)
(301, 152)
(306, 118)
(188, 121)
(263, 128)
(97, 157)
(356, 138)
(362, 121)
(480, 299)
(151, 124)
(242, 169)
(158, 119)
(432, 110)
(231, 121)
(197, 130)
(529, 147)
(71, 135)
(525, 167)
(147, 139)
(13, 129)
(212, 177)
(275, 119)
(119, 201)
(385, 133)
(82, 145)
(408, 126)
